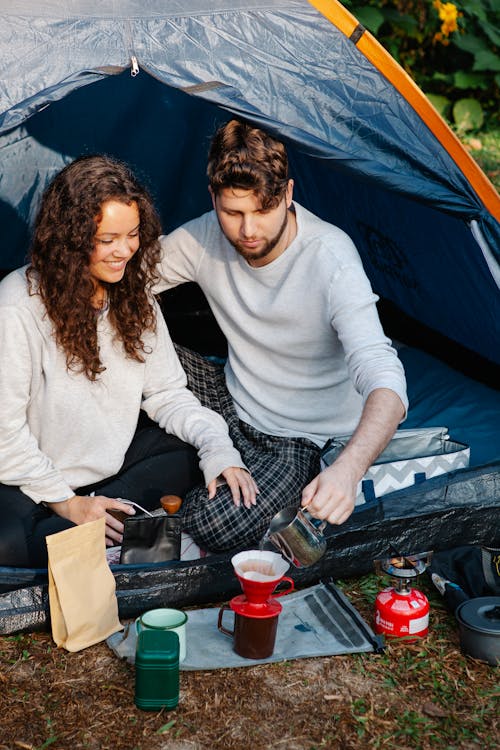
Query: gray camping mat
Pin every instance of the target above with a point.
(317, 621)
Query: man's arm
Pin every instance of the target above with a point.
(181, 254)
(332, 494)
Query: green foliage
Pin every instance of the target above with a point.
(166, 727)
(450, 49)
(467, 114)
(441, 103)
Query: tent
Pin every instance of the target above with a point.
(149, 81)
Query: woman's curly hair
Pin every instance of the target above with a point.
(63, 240)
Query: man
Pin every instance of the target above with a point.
(307, 356)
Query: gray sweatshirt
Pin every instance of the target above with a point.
(306, 346)
(60, 431)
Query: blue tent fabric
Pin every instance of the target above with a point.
(440, 395)
(360, 154)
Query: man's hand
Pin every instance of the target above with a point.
(82, 508)
(241, 484)
(332, 494)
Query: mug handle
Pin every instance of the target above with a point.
(291, 587)
(219, 621)
(316, 522)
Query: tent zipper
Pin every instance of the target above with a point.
(134, 66)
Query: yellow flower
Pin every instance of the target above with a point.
(448, 14)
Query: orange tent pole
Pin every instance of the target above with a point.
(385, 64)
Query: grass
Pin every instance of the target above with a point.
(446, 701)
(418, 695)
(485, 150)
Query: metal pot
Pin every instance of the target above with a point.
(479, 626)
(298, 536)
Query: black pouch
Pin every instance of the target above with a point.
(466, 572)
(150, 539)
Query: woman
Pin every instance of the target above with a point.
(84, 348)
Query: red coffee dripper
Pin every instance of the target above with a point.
(256, 611)
(260, 573)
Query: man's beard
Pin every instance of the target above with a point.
(268, 247)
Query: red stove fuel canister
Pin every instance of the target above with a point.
(400, 610)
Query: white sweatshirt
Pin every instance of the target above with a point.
(60, 431)
(306, 346)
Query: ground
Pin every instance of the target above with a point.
(418, 695)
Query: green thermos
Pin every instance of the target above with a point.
(157, 670)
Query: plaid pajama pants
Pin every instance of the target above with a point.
(280, 466)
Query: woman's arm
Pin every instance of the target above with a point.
(168, 401)
(22, 463)
(81, 509)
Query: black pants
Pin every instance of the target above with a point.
(155, 464)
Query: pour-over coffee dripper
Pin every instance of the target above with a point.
(256, 611)
(259, 573)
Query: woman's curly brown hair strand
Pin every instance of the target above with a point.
(63, 240)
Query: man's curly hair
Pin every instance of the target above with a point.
(245, 157)
(63, 240)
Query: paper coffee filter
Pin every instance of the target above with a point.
(259, 565)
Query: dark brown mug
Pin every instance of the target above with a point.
(253, 637)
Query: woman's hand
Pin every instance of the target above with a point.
(241, 484)
(82, 508)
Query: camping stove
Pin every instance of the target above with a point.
(400, 610)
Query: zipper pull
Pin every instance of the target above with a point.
(134, 66)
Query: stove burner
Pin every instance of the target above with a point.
(403, 566)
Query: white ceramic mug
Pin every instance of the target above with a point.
(166, 619)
